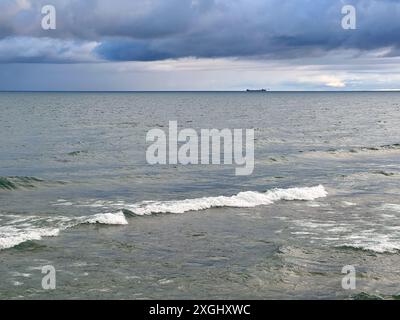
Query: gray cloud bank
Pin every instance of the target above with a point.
(125, 30)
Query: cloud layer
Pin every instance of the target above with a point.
(199, 44)
(126, 30)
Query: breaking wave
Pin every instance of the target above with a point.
(378, 243)
(246, 199)
(107, 218)
(15, 230)
(19, 229)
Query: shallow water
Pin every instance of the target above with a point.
(73, 178)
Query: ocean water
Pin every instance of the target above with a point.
(76, 193)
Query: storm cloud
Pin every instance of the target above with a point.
(199, 45)
(125, 30)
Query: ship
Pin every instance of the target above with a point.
(256, 90)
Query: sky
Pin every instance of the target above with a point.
(159, 45)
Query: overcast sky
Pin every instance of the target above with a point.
(199, 45)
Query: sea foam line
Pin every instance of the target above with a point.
(247, 199)
(12, 235)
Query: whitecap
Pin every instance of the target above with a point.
(15, 233)
(117, 218)
(247, 199)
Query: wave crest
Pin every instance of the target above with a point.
(19, 229)
(22, 229)
(16, 183)
(117, 218)
(246, 199)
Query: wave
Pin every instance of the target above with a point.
(381, 245)
(77, 153)
(370, 296)
(385, 147)
(247, 199)
(355, 150)
(393, 146)
(17, 237)
(367, 175)
(384, 173)
(117, 218)
(15, 183)
(20, 229)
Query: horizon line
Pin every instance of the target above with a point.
(194, 91)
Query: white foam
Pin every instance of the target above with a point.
(17, 237)
(373, 240)
(348, 203)
(380, 244)
(23, 275)
(17, 231)
(24, 228)
(314, 205)
(246, 199)
(108, 218)
(387, 216)
(63, 204)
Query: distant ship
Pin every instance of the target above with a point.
(256, 90)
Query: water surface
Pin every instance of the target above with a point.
(70, 162)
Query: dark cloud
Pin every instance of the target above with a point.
(127, 30)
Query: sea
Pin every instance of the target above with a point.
(77, 194)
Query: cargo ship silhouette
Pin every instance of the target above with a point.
(256, 90)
